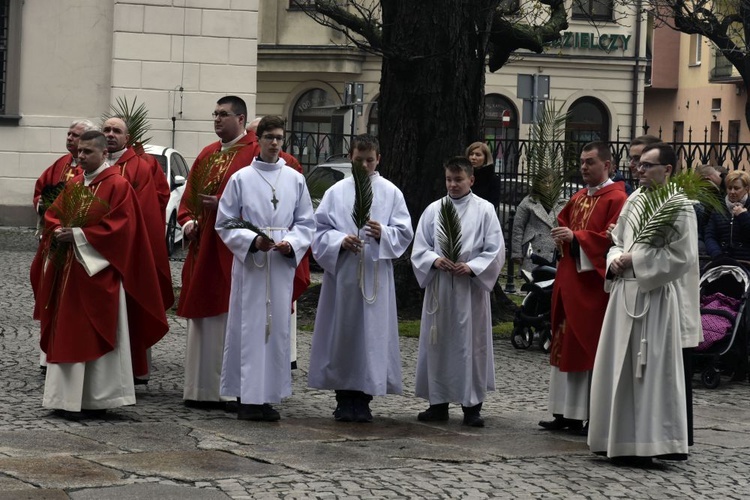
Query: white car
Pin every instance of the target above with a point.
(176, 169)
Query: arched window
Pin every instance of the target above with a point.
(311, 129)
(588, 120)
(501, 131)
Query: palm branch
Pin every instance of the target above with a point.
(317, 189)
(204, 181)
(239, 223)
(655, 212)
(362, 195)
(135, 118)
(449, 231)
(547, 157)
(76, 206)
(49, 194)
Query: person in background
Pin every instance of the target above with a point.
(486, 182)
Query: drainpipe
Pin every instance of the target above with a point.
(636, 68)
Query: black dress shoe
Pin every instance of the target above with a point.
(435, 413)
(583, 431)
(633, 461)
(362, 412)
(231, 406)
(344, 411)
(140, 381)
(472, 418)
(258, 413)
(205, 405)
(561, 423)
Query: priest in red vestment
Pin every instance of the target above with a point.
(140, 173)
(47, 186)
(206, 274)
(578, 297)
(99, 295)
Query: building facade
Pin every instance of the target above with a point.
(693, 93)
(595, 73)
(71, 59)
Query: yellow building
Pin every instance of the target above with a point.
(693, 94)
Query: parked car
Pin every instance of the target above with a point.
(176, 169)
(326, 174)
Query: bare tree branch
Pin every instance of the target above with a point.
(508, 36)
(365, 22)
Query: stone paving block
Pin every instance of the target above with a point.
(60, 472)
(188, 465)
(136, 437)
(48, 443)
(315, 456)
(33, 494)
(287, 430)
(380, 428)
(9, 483)
(144, 491)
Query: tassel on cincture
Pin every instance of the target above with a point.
(641, 358)
(433, 334)
(268, 328)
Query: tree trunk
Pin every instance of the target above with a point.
(431, 103)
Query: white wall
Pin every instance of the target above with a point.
(78, 56)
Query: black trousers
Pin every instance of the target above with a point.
(687, 361)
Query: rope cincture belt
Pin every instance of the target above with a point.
(267, 264)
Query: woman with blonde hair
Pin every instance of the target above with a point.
(486, 182)
(728, 231)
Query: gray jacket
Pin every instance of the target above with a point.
(532, 226)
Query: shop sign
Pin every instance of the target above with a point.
(607, 42)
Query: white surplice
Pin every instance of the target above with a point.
(256, 365)
(355, 343)
(106, 382)
(455, 363)
(204, 353)
(638, 386)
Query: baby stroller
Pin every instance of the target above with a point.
(724, 289)
(532, 320)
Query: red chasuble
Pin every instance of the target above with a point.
(60, 171)
(139, 172)
(160, 181)
(206, 274)
(578, 299)
(79, 312)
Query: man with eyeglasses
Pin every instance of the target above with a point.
(634, 155)
(640, 408)
(274, 200)
(206, 274)
(578, 298)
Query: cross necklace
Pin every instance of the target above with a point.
(274, 200)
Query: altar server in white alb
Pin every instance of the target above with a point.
(355, 349)
(455, 363)
(274, 200)
(638, 408)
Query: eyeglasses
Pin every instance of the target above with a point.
(222, 114)
(644, 165)
(635, 159)
(271, 138)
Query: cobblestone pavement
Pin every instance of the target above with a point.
(161, 449)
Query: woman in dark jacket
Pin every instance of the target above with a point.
(728, 232)
(486, 182)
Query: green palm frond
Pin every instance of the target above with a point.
(135, 117)
(547, 157)
(76, 206)
(362, 194)
(655, 212)
(238, 223)
(317, 189)
(449, 231)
